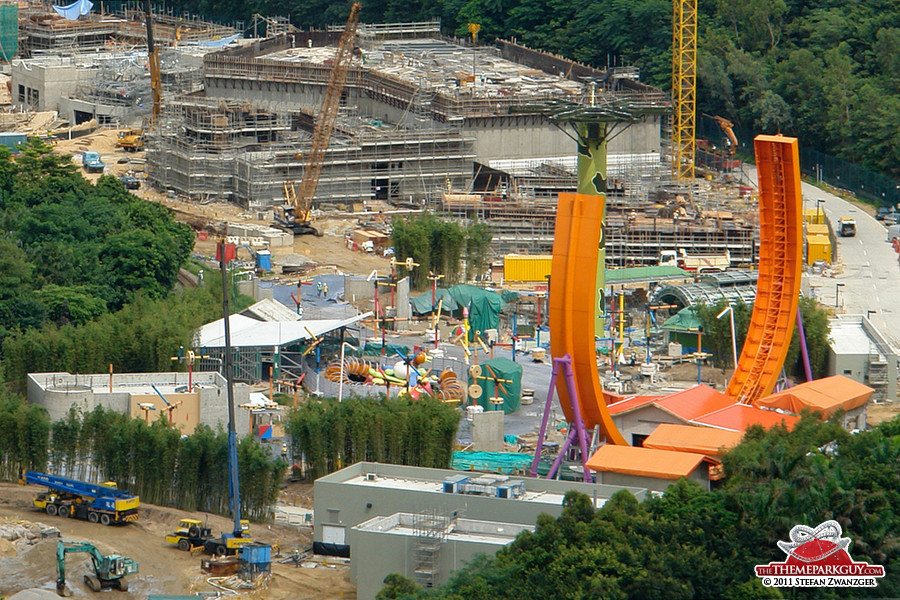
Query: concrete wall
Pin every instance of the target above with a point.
(654, 484)
(342, 504)
(58, 392)
(104, 113)
(50, 79)
(377, 554)
(643, 421)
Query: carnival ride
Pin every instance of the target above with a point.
(573, 314)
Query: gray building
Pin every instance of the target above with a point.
(426, 548)
(360, 492)
(858, 350)
(203, 401)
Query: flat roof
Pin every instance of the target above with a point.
(849, 337)
(424, 479)
(248, 333)
(463, 530)
(709, 441)
(444, 66)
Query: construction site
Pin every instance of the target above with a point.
(258, 132)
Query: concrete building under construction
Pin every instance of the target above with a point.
(418, 113)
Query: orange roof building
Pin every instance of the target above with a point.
(738, 417)
(708, 441)
(825, 396)
(645, 467)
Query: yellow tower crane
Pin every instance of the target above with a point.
(684, 88)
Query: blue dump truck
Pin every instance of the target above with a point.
(91, 162)
(97, 503)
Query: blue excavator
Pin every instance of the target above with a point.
(109, 571)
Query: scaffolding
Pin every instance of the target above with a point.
(429, 528)
(43, 32)
(242, 152)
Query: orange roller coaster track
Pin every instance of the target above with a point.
(780, 263)
(572, 312)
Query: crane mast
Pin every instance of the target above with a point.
(327, 116)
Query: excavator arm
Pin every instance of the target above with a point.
(63, 548)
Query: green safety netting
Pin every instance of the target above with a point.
(495, 462)
(492, 372)
(686, 319)
(9, 31)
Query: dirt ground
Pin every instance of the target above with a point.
(163, 568)
(329, 251)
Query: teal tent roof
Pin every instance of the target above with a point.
(421, 305)
(685, 320)
(655, 273)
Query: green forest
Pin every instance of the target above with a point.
(693, 543)
(821, 71)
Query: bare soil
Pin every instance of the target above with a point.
(163, 568)
(329, 251)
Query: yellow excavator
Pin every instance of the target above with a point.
(131, 140)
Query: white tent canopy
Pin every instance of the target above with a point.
(247, 332)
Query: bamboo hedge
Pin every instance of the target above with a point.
(328, 435)
(154, 461)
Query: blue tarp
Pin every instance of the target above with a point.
(74, 10)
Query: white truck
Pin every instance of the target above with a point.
(700, 263)
(847, 226)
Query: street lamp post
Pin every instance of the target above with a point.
(837, 289)
(730, 311)
(341, 383)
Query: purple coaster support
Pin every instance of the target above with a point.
(562, 453)
(575, 429)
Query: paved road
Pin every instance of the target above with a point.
(871, 273)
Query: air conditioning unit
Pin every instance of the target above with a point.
(371, 476)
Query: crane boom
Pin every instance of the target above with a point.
(327, 116)
(153, 61)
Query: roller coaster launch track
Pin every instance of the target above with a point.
(780, 263)
(572, 312)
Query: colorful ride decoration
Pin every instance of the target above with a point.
(360, 371)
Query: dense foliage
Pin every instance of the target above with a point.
(442, 247)
(154, 461)
(71, 251)
(24, 435)
(141, 337)
(389, 430)
(825, 72)
(692, 543)
(717, 335)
